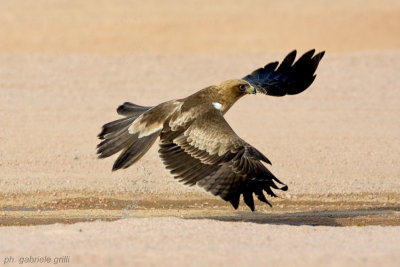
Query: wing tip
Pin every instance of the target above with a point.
(115, 168)
(320, 55)
(290, 78)
(234, 199)
(284, 188)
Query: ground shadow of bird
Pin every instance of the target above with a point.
(357, 217)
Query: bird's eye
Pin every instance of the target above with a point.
(242, 87)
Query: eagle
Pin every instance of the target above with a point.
(197, 145)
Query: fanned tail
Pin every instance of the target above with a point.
(116, 137)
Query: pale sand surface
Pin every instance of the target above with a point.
(340, 136)
(336, 146)
(181, 242)
(66, 65)
(131, 26)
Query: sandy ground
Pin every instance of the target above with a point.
(181, 242)
(340, 136)
(66, 65)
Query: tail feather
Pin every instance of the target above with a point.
(111, 146)
(118, 132)
(130, 109)
(116, 137)
(134, 152)
(114, 127)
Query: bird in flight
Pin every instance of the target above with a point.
(197, 145)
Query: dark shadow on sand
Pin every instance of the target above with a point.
(358, 217)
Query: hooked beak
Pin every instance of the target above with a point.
(251, 90)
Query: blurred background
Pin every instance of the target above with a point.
(175, 26)
(65, 65)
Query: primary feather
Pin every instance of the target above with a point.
(289, 78)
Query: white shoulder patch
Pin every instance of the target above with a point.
(217, 105)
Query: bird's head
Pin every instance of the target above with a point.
(232, 90)
(236, 88)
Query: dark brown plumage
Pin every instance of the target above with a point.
(197, 145)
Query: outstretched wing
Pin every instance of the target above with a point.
(289, 78)
(208, 153)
